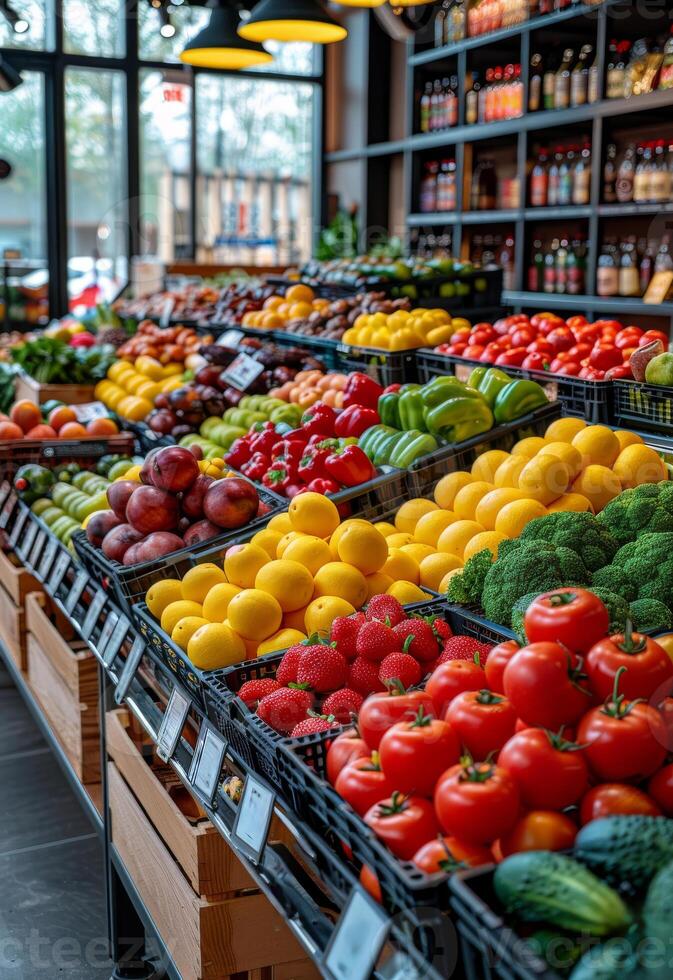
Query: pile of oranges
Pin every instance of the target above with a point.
(25, 421)
(297, 304)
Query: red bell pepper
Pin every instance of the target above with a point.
(324, 485)
(619, 371)
(289, 451)
(355, 420)
(396, 387)
(514, 357)
(312, 463)
(362, 390)
(604, 356)
(239, 453)
(265, 439)
(279, 477)
(349, 466)
(256, 466)
(319, 419)
(297, 435)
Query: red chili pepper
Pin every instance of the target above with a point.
(349, 466)
(319, 419)
(362, 390)
(514, 357)
(256, 466)
(355, 420)
(604, 356)
(324, 485)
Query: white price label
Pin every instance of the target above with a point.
(36, 550)
(48, 557)
(106, 633)
(7, 509)
(167, 312)
(26, 543)
(242, 372)
(93, 612)
(358, 938)
(462, 371)
(114, 645)
(551, 391)
(58, 571)
(92, 410)
(18, 528)
(253, 819)
(172, 724)
(75, 593)
(230, 338)
(204, 772)
(129, 669)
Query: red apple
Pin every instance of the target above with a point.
(208, 375)
(196, 451)
(118, 541)
(231, 502)
(146, 471)
(192, 499)
(134, 554)
(118, 495)
(151, 509)
(203, 531)
(159, 544)
(102, 522)
(162, 421)
(174, 468)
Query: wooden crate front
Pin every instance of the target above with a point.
(30, 389)
(16, 583)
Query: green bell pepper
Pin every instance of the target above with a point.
(370, 439)
(389, 410)
(517, 399)
(440, 390)
(411, 408)
(477, 376)
(384, 447)
(492, 383)
(459, 418)
(410, 447)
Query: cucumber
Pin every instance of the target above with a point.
(542, 886)
(627, 850)
(615, 960)
(658, 923)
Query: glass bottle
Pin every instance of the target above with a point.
(579, 77)
(646, 270)
(505, 259)
(446, 186)
(445, 105)
(642, 174)
(613, 84)
(561, 283)
(517, 93)
(660, 177)
(549, 81)
(536, 268)
(550, 267)
(565, 175)
(607, 273)
(485, 95)
(426, 102)
(625, 175)
(610, 175)
(554, 177)
(472, 100)
(436, 103)
(441, 24)
(581, 193)
(576, 268)
(614, 88)
(629, 273)
(562, 80)
(452, 104)
(664, 259)
(666, 70)
(535, 84)
(539, 180)
(594, 81)
(428, 193)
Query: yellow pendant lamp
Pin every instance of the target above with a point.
(219, 45)
(292, 20)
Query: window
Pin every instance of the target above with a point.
(94, 28)
(292, 59)
(37, 35)
(187, 22)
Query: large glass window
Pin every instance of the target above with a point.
(94, 28)
(185, 20)
(29, 27)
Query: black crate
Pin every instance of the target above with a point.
(85, 452)
(147, 439)
(650, 407)
(385, 367)
(322, 348)
(468, 621)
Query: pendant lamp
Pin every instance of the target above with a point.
(292, 20)
(219, 45)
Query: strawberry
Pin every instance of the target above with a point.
(400, 667)
(386, 609)
(440, 628)
(342, 704)
(416, 637)
(314, 723)
(464, 648)
(376, 640)
(344, 633)
(286, 672)
(253, 691)
(322, 668)
(363, 676)
(284, 709)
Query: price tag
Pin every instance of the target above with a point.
(253, 819)
(18, 528)
(358, 938)
(167, 312)
(463, 371)
(36, 550)
(58, 571)
(75, 593)
(93, 612)
(26, 543)
(114, 645)
(204, 772)
(4, 491)
(172, 724)
(106, 633)
(92, 410)
(551, 391)
(7, 509)
(130, 667)
(230, 338)
(242, 371)
(47, 558)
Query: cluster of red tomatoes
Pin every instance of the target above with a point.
(575, 348)
(513, 752)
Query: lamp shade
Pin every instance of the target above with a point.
(292, 20)
(219, 45)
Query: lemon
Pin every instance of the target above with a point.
(485, 540)
(322, 612)
(280, 523)
(625, 439)
(512, 519)
(564, 430)
(268, 540)
(313, 513)
(215, 645)
(407, 592)
(411, 512)
(448, 487)
(385, 528)
(294, 620)
(507, 474)
(485, 466)
(162, 594)
(599, 485)
(566, 452)
(490, 505)
(254, 614)
(638, 464)
(310, 551)
(467, 500)
(185, 629)
(570, 502)
(242, 562)
(400, 539)
(176, 611)
(544, 478)
(597, 445)
(431, 525)
(452, 541)
(336, 578)
(336, 536)
(418, 551)
(444, 584)
(286, 540)
(199, 580)
(377, 584)
(434, 568)
(401, 567)
(528, 447)
(287, 581)
(281, 640)
(216, 603)
(364, 547)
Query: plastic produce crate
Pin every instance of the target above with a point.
(650, 407)
(325, 350)
(385, 367)
(17, 452)
(468, 621)
(159, 646)
(147, 439)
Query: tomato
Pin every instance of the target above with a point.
(344, 749)
(604, 356)
(592, 374)
(370, 883)
(403, 823)
(539, 830)
(522, 336)
(648, 666)
(490, 353)
(483, 333)
(551, 773)
(613, 325)
(577, 322)
(567, 732)
(587, 334)
(579, 351)
(621, 371)
(452, 678)
(415, 754)
(574, 617)
(540, 346)
(628, 337)
(660, 788)
(362, 783)
(477, 802)
(613, 799)
(544, 686)
(536, 362)
(461, 335)
(482, 720)
(448, 854)
(496, 661)
(515, 356)
(570, 369)
(650, 335)
(561, 338)
(473, 351)
(384, 709)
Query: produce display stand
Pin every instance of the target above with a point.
(33, 391)
(45, 452)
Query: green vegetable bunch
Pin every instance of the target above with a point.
(643, 510)
(51, 361)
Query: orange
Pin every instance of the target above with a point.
(468, 499)
(280, 523)
(364, 547)
(528, 447)
(215, 645)
(485, 466)
(565, 452)
(322, 612)
(597, 444)
(544, 478)
(639, 464)
(216, 603)
(309, 551)
(512, 519)
(267, 539)
(198, 581)
(43, 432)
(299, 294)
(407, 593)
(272, 303)
(431, 525)
(341, 529)
(25, 414)
(299, 311)
(401, 567)
(286, 541)
(242, 562)
(486, 540)
(570, 502)
(454, 539)
(10, 430)
(59, 416)
(288, 582)
(385, 528)
(400, 539)
(564, 430)
(490, 506)
(418, 551)
(254, 614)
(175, 611)
(102, 427)
(625, 438)
(72, 430)
(336, 578)
(162, 594)
(295, 620)
(448, 487)
(507, 474)
(599, 485)
(313, 513)
(281, 640)
(377, 584)
(435, 567)
(185, 629)
(411, 512)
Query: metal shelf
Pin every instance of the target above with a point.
(600, 303)
(626, 210)
(558, 213)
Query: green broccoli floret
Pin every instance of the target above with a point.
(614, 578)
(466, 587)
(528, 566)
(617, 607)
(591, 540)
(642, 510)
(518, 612)
(650, 616)
(648, 564)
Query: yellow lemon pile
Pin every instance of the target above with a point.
(130, 389)
(404, 329)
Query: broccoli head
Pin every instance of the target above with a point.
(518, 612)
(583, 533)
(466, 587)
(614, 578)
(650, 616)
(643, 510)
(648, 563)
(617, 607)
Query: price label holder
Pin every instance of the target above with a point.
(5, 489)
(18, 528)
(47, 558)
(129, 669)
(357, 940)
(92, 613)
(36, 550)
(90, 411)
(23, 547)
(106, 633)
(242, 372)
(207, 762)
(7, 509)
(58, 571)
(76, 591)
(114, 644)
(253, 818)
(166, 313)
(230, 338)
(172, 724)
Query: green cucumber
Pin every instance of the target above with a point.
(615, 960)
(626, 850)
(658, 923)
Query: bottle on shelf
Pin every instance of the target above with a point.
(535, 83)
(607, 271)
(446, 186)
(561, 267)
(505, 259)
(610, 175)
(426, 109)
(539, 180)
(549, 81)
(646, 270)
(579, 77)
(626, 175)
(594, 81)
(581, 178)
(472, 100)
(456, 22)
(441, 31)
(629, 273)
(576, 267)
(549, 279)
(565, 178)
(428, 190)
(664, 259)
(562, 80)
(616, 73)
(642, 174)
(536, 268)
(661, 179)
(554, 177)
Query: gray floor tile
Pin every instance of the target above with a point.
(18, 731)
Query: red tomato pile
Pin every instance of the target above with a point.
(574, 347)
(514, 755)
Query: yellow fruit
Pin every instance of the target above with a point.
(322, 612)
(309, 551)
(242, 562)
(254, 614)
(639, 464)
(626, 438)
(490, 506)
(508, 472)
(185, 629)
(288, 582)
(176, 611)
(364, 547)
(134, 409)
(418, 551)
(486, 465)
(512, 519)
(411, 512)
(149, 367)
(448, 487)
(216, 603)
(199, 580)
(171, 384)
(286, 540)
(400, 539)
(313, 513)
(173, 369)
(377, 584)
(215, 645)
(281, 640)
(452, 541)
(294, 620)
(336, 578)
(385, 528)
(267, 539)
(162, 594)
(132, 474)
(566, 452)
(336, 536)
(570, 502)
(564, 430)
(434, 568)
(444, 584)
(598, 445)
(599, 485)
(280, 523)
(407, 592)
(431, 525)
(118, 370)
(149, 390)
(490, 540)
(544, 478)
(528, 447)
(468, 499)
(401, 567)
